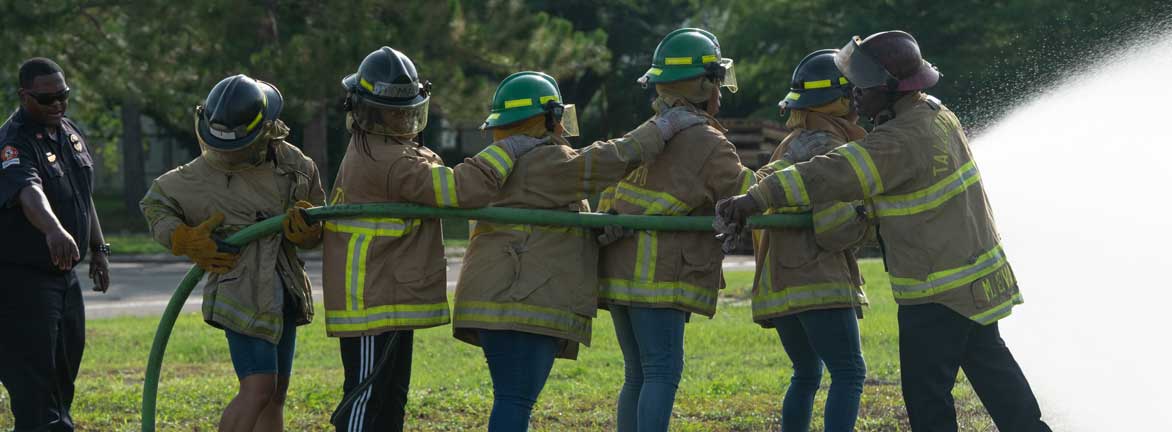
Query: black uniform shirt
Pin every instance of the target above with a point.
(62, 165)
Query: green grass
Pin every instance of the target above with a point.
(734, 378)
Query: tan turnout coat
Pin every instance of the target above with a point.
(544, 279)
(939, 240)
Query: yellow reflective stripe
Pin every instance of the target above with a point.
(655, 71)
(366, 85)
(383, 316)
(646, 256)
(224, 307)
(498, 158)
(373, 227)
(938, 282)
(677, 61)
(255, 121)
(747, 180)
(708, 59)
(998, 312)
(833, 217)
(545, 99)
(606, 199)
(793, 96)
(494, 116)
(864, 167)
(523, 314)
(790, 181)
(517, 103)
(443, 182)
(356, 270)
(809, 85)
(843, 81)
(652, 202)
(801, 296)
(931, 197)
(779, 164)
(658, 292)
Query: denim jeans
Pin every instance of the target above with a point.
(652, 341)
(811, 339)
(519, 364)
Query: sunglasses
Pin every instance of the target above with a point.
(49, 99)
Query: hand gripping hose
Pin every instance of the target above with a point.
(150, 388)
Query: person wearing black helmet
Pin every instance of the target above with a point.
(258, 294)
(385, 277)
(807, 285)
(949, 271)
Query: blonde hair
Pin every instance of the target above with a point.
(532, 126)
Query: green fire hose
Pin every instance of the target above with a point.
(492, 214)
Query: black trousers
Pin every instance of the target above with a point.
(935, 341)
(42, 337)
(378, 375)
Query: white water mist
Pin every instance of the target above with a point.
(1080, 180)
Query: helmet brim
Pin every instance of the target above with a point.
(810, 98)
(274, 103)
(926, 77)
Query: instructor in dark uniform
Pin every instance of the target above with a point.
(46, 213)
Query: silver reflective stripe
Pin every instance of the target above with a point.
(504, 164)
(998, 312)
(858, 157)
(445, 190)
(355, 275)
(646, 259)
(954, 185)
(793, 185)
(389, 315)
(244, 317)
(781, 298)
(834, 216)
(511, 314)
(655, 293)
(587, 162)
(654, 203)
(390, 225)
(990, 263)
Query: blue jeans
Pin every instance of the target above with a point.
(519, 364)
(652, 341)
(811, 338)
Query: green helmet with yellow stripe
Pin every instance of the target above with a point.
(527, 94)
(688, 53)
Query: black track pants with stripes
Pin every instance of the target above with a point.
(378, 375)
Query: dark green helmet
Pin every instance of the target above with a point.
(816, 81)
(523, 95)
(688, 53)
(233, 123)
(386, 96)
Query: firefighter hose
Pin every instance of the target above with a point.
(410, 211)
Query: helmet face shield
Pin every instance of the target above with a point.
(860, 68)
(729, 80)
(393, 120)
(570, 121)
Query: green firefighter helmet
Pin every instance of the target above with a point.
(528, 94)
(688, 53)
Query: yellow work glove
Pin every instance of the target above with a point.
(197, 243)
(297, 230)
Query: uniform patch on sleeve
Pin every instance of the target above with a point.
(9, 156)
(9, 153)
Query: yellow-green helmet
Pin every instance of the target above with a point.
(688, 53)
(527, 94)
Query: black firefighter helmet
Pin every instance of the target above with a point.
(816, 81)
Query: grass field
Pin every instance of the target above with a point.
(734, 378)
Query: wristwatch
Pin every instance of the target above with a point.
(103, 249)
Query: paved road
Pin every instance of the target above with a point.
(144, 288)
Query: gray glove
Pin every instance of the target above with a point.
(518, 145)
(613, 233)
(676, 119)
(808, 144)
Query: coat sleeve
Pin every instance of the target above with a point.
(854, 171)
(723, 174)
(162, 213)
(603, 163)
(473, 183)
